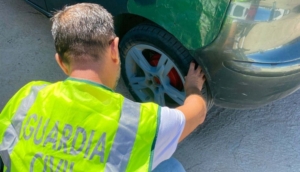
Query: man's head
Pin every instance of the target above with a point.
(84, 36)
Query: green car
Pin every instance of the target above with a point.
(248, 49)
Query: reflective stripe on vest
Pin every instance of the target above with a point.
(13, 131)
(122, 141)
(125, 137)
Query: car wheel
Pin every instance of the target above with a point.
(154, 64)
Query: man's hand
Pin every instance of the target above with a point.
(194, 107)
(194, 80)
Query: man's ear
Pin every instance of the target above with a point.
(61, 64)
(114, 47)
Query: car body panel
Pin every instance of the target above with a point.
(39, 3)
(194, 23)
(256, 61)
(202, 21)
(248, 49)
(115, 7)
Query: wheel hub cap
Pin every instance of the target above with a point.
(156, 80)
(173, 75)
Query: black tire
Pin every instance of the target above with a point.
(153, 35)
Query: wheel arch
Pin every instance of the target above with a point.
(126, 21)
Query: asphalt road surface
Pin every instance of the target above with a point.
(266, 139)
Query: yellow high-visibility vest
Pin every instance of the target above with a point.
(76, 125)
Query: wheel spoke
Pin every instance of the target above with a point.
(159, 97)
(164, 65)
(138, 83)
(175, 94)
(139, 59)
(155, 82)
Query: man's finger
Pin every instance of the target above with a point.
(201, 74)
(198, 70)
(192, 67)
(203, 77)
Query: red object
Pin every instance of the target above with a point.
(175, 80)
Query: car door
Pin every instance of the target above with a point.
(40, 3)
(54, 5)
(112, 6)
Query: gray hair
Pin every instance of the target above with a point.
(82, 32)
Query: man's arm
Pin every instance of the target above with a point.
(178, 123)
(194, 107)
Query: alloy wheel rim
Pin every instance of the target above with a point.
(153, 76)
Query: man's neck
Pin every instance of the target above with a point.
(87, 74)
(94, 71)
